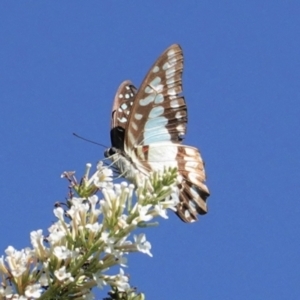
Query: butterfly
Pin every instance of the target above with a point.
(147, 128)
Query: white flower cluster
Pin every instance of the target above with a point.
(89, 237)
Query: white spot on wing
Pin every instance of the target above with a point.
(122, 120)
(171, 52)
(171, 92)
(187, 214)
(170, 72)
(120, 96)
(193, 177)
(134, 126)
(192, 205)
(170, 81)
(171, 85)
(172, 60)
(191, 164)
(131, 137)
(127, 96)
(195, 194)
(138, 116)
(155, 69)
(166, 66)
(124, 106)
(163, 154)
(179, 115)
(189, 151)
(174, 104)
(180, 127)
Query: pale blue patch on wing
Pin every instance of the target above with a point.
(155, 131)
(159, 99)
(156, 123)
(146, 101)
(156, 111)
(155, 81)
(148, 90)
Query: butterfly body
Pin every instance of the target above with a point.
(148, 126)
(123, 162)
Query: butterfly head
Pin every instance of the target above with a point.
(110, 152)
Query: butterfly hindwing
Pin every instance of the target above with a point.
(188, 161)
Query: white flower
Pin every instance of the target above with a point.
(59, 213)
(103, 176)
(93, 201)
(101, 282)
(122, 261)
(36, 238)
(122, 221)
(6, 291)
(56, 237)
(96, 227)
(62, 252)
(161, 210)
(57, 234)
(78, 212)
(109, 242)
(76, 201)
(62, 275)
(142, 244)
(18, 261)
(143, 214)
(33, 291)
(172, 200)
(120, 281)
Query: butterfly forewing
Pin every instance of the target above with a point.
(159, 114)
(123, 102)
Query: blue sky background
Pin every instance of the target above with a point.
(60, 65)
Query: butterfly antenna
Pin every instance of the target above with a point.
(90, 141)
